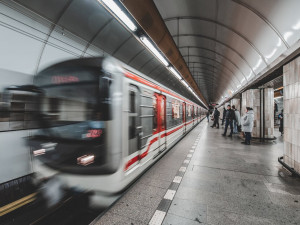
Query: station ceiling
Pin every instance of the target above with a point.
(229, 43)
(226, 44)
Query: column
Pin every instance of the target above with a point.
(269, 113)
(291, 110)
(251, 98)
(262, 102)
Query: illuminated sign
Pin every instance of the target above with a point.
(94, 133)
(64, 79)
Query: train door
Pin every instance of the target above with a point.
(184, 116)
(161, 121)
(193, 115)
(134, 121)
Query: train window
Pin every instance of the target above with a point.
(189, 110)
(132, 103)
(154, 121)
(175, 110)
(172, 111)
(162, 113)
(193, 111)
(132, 115)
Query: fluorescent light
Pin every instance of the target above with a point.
(183, 81)
(175, 73)
(154, 50)
(190, 89)
(119, 13)
(288, 34)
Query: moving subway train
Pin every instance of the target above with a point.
(103, 125)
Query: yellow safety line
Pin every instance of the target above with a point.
(17, 204)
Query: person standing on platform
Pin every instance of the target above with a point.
(216, 118)
(207, 116)
(247, 125)
(280, 117)
(229, 117)
(237, 121)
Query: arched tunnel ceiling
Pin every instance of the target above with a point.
(83, 28)
(225, 43)
(228, 43)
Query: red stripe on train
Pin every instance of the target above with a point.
(141, 156)
(144, 154)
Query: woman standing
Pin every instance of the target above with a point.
(247, 125)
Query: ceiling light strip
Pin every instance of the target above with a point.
(151, 47)
(120, 14)
(130, 24)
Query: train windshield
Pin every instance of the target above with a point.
(75, 103)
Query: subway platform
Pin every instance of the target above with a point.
(210, 179)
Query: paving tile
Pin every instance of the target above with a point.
(241, 175)
(148, 190)
(133, 211)
(149, 200)
(171, 219)
(115, 219)
(283, 189)
(215, 216)
(188, 209)
(155, 182)
(201, 184)
(284, 179)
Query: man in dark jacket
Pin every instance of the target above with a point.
(216, 118)
(207, 116)
(229, 117)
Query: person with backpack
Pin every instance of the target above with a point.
(229, 118)
(216, 118)
(237, 121)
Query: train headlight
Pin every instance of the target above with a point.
(85, 160)
(39, 152)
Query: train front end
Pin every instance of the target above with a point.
(80, 112)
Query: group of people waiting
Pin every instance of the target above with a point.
(232, 118)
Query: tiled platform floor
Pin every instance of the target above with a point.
(225, 183)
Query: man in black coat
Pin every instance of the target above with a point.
(229, 117)
(216, 118)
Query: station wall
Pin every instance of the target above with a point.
(28, 44)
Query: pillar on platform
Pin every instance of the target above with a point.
(262, 102)
(251, 98)
(291, 110)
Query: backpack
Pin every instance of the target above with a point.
(233, 115)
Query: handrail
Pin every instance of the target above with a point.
(292, 170)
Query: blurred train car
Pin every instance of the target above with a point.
(103, 124)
